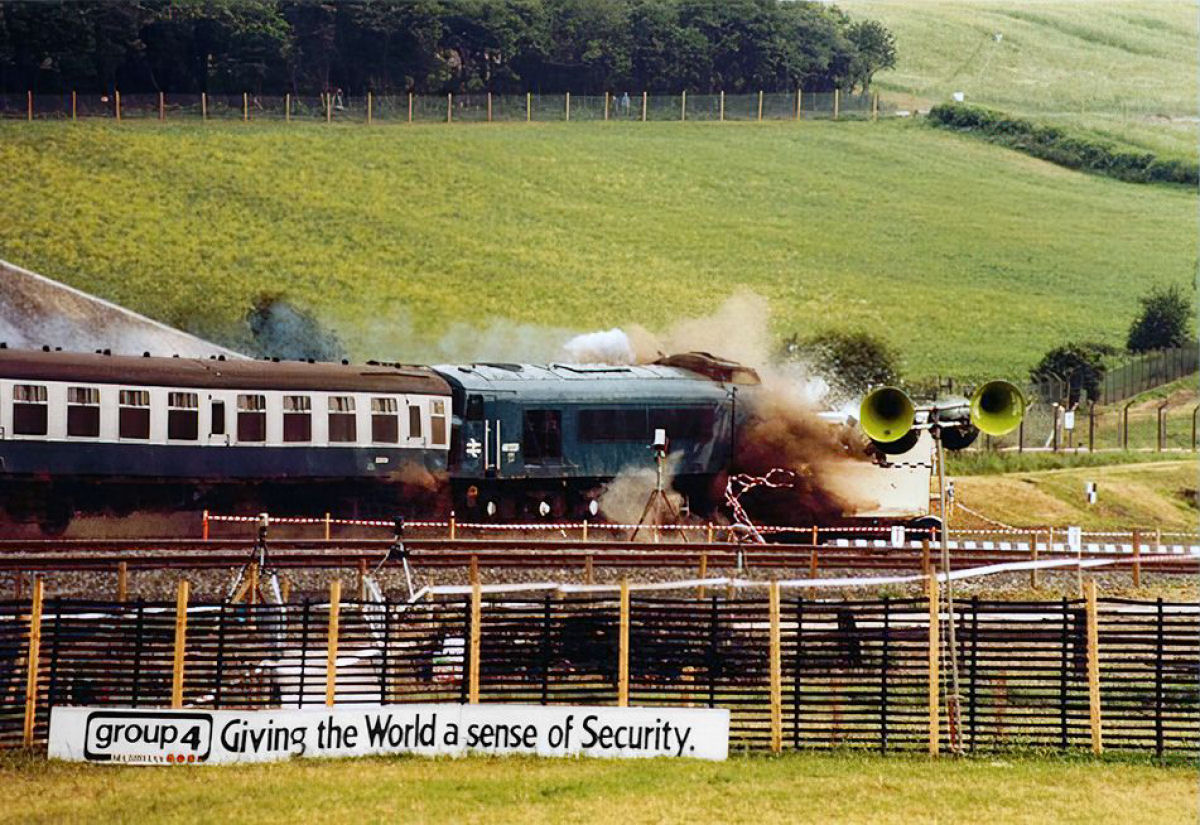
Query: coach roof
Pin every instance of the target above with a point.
(26, 365)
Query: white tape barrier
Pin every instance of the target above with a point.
(1019, 546)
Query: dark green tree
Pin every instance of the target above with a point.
(1164, 321)
(875, 49)
(850, 362)
(1079, 367)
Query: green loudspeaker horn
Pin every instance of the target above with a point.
(886, 415)
(997, 407)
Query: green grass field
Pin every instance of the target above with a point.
(470, 241)
(807, 788)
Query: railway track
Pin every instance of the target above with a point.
(444, 553)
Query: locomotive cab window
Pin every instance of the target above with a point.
(385, 420)
(542, 436)
(414, 422)
(251, 418)
(134, 415)
(183, 416)
(29, 409)
(297, 418)
(474, 411)
(83, 412)
(343, 426)
(437, 423)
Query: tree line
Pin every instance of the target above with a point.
(437, 46)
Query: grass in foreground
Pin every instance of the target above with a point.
(474, 241)
(796, 788)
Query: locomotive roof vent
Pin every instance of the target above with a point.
(718, 369)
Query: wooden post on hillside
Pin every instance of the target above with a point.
(776, 671)
(760, 101)
(683, 105)
(245, 107)
(331, 644)
(203, 107)
(623, 648)
(489, 104)
(722, 107)
(1137, 559)
(162, 107)
(449, 107)
(874, 105)
(837, 103)
(29, 106)
(32, 661)
(643, 107)
(1093, 664)
(371, 105)
(568, 107)
(74, 102)
(328, 107)
(606, 106)
(117, 103)
(934, 685)
(528, 106)
(287, 108)
(177, 666)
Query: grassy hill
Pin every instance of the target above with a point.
(1123, 70)
(411, 240)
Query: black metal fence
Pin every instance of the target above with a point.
(851, 673)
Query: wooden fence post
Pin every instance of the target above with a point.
(585, 529)
(371, 105)
(449, 107)
(204, 115)
(32, 661)
(453, 525)
(606, 106)
(177, 667)
(837, 102)
(1137, 559)
(934, 665)
(568, 109)
(588, 575)
(328, 108)
(335, 606)
(29, 106)
(362, 580)
(287, 108)
(162, 107)
(528, 106)
(327, 524)
(683, 105)
(926, 569)
(776, 671)
(700, 590)
(122, 581)
(760, 101)
(117, 103)
(473, 648)
(245, 107)
(722, 106)
(643, 107)
(623, 648)
(1093, 663)
(74, 101)
(1033, 556)
(489, 111)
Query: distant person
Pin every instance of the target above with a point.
(337, 100)
(625, 104)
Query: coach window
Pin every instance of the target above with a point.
(343, 426)
(297, 418)
(183, 416)
(252, 418)
(385, 420)
(542, 436)
(83, 412)
(134, 416)
(217, 418)
(29, 409)
(437, 423)
(414, 422)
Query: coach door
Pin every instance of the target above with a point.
(486, 437)
(218, 422)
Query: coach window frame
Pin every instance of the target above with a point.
(251, 418)
(178, 411)
(134, 414)
(42, 401)
(297, 419)
(542, 444)
(385, 419)
(83, 411)
(342, 411)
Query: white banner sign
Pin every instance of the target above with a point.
(134, 736)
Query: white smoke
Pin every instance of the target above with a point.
(605, 347)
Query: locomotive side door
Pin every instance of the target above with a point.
(218, 420)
